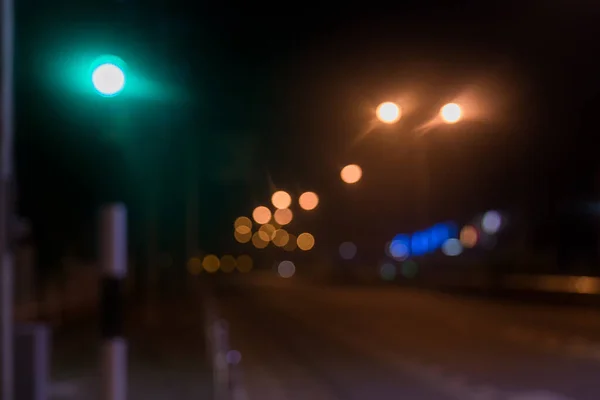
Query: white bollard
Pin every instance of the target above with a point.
(32, 367)
(220, 364)
(114, 266)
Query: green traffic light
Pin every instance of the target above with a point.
(108, 79)
(108, 76)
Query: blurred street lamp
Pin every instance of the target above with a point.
(451, 113)
(388, 112)
(108, 75)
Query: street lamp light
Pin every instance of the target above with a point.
(451, 113)
(108, 75)
(388, 112)
(108, 80)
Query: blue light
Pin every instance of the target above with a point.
(400, 246)
(419, 243)
(424, 242)
(439, 234)
(452, 230)
(399, 250)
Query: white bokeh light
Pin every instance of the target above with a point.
(348, 250)
(286, 269)
(399, 250)
(452, 247)
(491, 222)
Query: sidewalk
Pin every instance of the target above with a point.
(167, 356)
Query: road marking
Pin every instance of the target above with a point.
(539, 395)
(574, 346)
(455, 386)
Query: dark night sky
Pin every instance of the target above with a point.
(297, 88)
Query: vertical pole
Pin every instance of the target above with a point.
(425, 186)
(33, 364)
(192, 214)
(152, 273)
(114, 267)
(6, 176)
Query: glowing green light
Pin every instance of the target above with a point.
(108, 79)
(108, 74)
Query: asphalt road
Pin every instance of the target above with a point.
(167, 354)
(301, 341)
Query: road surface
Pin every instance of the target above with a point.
(301, 341)
(167, 357)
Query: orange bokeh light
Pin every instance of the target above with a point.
(351, 173)
(211, 263)
(258, 241)
(469, 236)
(261, 215)
(283, 216)
(281, 199)
(291, 244)
(308, 201)
(242, 237)
(244, 263)
(305, 241)
(266, 232)
(243, 225)
(281, 238)
(228, 263)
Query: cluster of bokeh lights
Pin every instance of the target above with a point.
(227, 263)
(271, 223)
(445, 237)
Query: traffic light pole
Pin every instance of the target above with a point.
(6, 203)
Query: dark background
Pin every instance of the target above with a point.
(270, 97)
